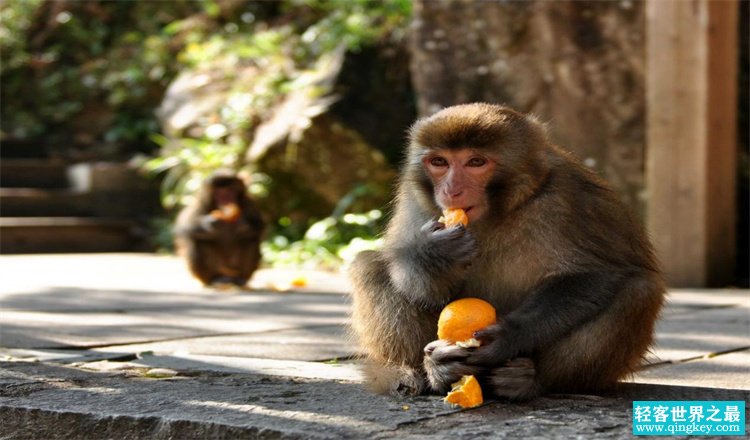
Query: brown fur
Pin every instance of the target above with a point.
(551, 221)
(220, 252)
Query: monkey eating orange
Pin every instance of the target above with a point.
(540, 221)
(454, 217)
(461, 318)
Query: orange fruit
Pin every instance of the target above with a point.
(299, 281)
(465, 393)
(461, 318)
(454, 217)
(229, 213)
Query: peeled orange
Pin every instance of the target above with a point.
(454, 217)
(229, 213)
(461, 318)
(465, 393)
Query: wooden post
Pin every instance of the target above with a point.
(691, 93)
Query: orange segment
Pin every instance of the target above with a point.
(230, 213)
(466, 393)
(299, 281)
(461, 318)
(454, 217)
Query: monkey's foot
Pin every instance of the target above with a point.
(227, 283)
(394, 380)
(516, 380)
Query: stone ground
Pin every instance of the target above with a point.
(128, 346)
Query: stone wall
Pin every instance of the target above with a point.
(578, 65)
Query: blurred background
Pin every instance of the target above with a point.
(113, 112)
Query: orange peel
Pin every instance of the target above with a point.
(465, 393)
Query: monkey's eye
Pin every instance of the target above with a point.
(476, 162)
(438, 161)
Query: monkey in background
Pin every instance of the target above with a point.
(219, 233)
(571, 273)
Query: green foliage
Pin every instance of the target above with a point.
(278, 60)
(92, 73)
(327, 242)
(354, 23)
(84, 72)
(188, 163)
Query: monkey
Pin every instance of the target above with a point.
(219, 233)
(549, 244)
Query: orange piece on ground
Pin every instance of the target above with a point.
(465, 393)
(454, 217)
(299, 281)
(461, 318)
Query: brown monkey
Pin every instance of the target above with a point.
(219, 233)
(549, 244)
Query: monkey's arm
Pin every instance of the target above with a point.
(251, 225)
(202, 227)
(559, 305)
(428, 268)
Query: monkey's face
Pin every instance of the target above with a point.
(478, 157)
(225, 195)
(459, 178)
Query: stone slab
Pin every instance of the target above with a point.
(313, 343)
(100, 405)
(695, 335)
(243, 360)
(186, 363)
(730, 370)
(59, 356)
(139, 274)
(44, 401)
(703, 298)
(556, 417)
(190, 365)
(158, 317)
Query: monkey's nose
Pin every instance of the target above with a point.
(429, 349)
(453, 191)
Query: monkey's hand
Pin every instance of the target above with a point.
(498, 346)
(209, 223)
(428, 268)
(445, 363)
(449, 248)
(202, 228)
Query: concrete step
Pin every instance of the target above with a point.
(67, 234)
(33, 173)
(38, 202)
(17, 148)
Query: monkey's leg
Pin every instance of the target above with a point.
(238, 261)
(595, 355)
(246, 259)
(203, 261)
(391, 331)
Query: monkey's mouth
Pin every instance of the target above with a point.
(467, 210)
